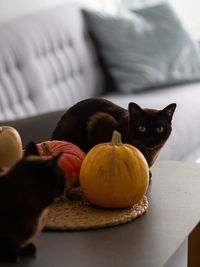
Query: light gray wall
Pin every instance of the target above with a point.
(10, 9)
(14, 8)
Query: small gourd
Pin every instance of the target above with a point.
(10, 147)
(114, 175)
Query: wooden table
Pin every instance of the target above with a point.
(158, 238)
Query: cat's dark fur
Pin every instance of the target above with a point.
(92, 121)
(26, 191)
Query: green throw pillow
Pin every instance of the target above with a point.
(144, 48)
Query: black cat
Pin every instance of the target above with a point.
(93, 120)
(26, 191)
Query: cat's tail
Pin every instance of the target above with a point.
(100, 128)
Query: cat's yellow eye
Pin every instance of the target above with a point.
(142, 128)
(160, 129)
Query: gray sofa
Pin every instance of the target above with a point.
(48, 62)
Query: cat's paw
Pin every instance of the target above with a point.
(15, 259)
(150, 177)
(11, 256)
(8, 252)
(30, 249)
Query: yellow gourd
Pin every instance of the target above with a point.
(114, 175)
(10, 147)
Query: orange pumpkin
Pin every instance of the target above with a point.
(10, 147)
(114, 175)
(70, 161)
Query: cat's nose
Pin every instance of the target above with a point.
(151, 146)
(152, 143)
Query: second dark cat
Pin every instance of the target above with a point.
(25, 193)
(92, 121)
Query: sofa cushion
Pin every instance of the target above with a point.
(14, 96)
(47, 62)
(144, 48)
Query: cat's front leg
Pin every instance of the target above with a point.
(8, 251)
(28, 250)
(11, 256)
(150, 176)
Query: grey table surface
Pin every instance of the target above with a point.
(151, 240)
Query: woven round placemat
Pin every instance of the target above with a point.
(80, 215)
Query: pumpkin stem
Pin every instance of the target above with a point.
(116, 139)
(46, 150)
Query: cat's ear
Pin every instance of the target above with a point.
(133, 109)
(169, 110)
(31, 149)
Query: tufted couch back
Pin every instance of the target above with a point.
(47, 63)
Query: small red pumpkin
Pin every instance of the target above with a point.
(70, 161)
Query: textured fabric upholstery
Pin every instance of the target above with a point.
(47, 63)
(14, 96)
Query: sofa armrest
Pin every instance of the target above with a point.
(36, 128)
